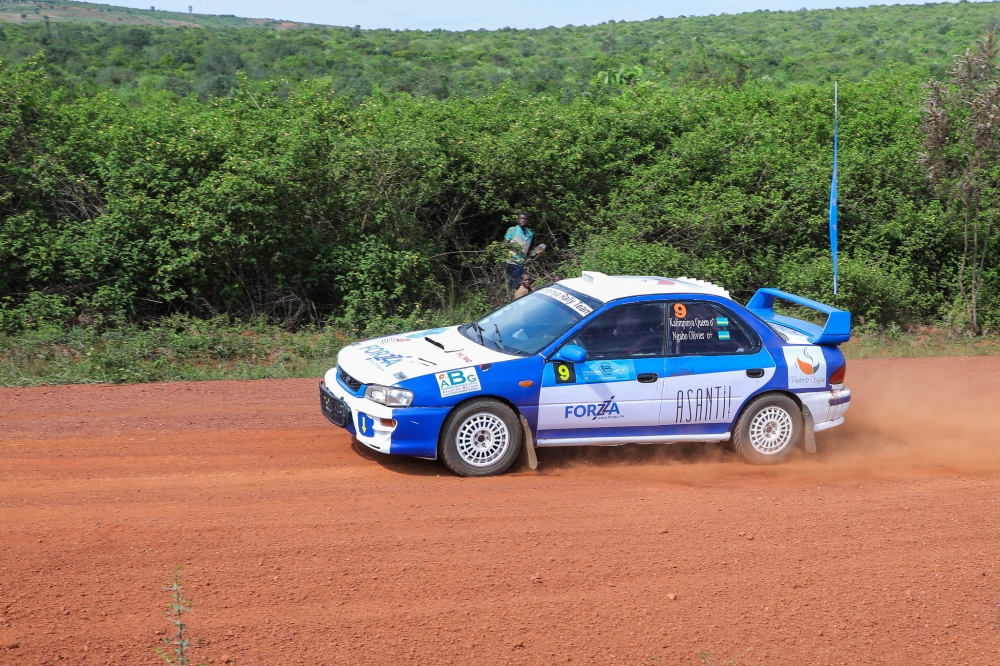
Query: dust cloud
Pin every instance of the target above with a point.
(908, 417)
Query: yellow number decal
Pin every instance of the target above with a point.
(563, 372)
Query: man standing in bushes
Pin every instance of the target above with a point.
(518, 241)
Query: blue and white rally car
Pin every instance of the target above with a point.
(598, 360)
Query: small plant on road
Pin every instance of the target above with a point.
(178, 606)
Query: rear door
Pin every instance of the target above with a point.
(715, 361)
(618, 390)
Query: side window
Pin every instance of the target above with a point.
(628, 331)
(700, 328)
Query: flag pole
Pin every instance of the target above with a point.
(833, 191)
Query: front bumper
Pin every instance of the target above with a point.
(371, 423)
(411, 431)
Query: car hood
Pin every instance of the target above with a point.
(395, 358)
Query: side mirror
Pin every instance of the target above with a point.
(571, 354)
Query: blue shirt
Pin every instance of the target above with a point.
(518, 241)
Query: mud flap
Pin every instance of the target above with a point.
(529, 444)
(810, 434)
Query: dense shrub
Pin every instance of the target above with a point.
(297, 205)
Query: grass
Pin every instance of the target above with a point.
(185, 349)
(920, 342)
(175, 349)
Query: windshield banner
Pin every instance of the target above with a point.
(572, 302)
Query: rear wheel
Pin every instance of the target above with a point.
(768, 429)
(481, 438)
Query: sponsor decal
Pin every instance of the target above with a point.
(455, 382)
(807, 364)
(381, 357)
(400, 376)
(602, 411)
(569, 300)
(712, 403)
(393, 340)
(806, 367)
(424, 334)
(366, 424)
(464, 357)
(593, 372)
(607, 371)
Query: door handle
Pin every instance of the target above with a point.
(647, 377)
(755, 373)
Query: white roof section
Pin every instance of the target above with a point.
(610, 287)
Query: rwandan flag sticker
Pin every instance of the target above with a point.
(723, 335)
(722, 321)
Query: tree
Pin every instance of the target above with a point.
(961, 127)
(623, 76)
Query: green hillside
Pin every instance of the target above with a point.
(59, 11)
(782, 47)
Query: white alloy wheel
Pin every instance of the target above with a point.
(482, 439)
(770, 430)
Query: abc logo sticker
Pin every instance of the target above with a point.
(454, 382)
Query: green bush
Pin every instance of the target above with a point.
(292, 204)
(36, 312)
(874, 294)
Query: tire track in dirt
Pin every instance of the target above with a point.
(301, 548)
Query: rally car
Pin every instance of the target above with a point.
(598, 360)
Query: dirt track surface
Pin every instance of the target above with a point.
(298, 548)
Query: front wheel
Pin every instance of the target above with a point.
(768, 429)
(481, 438)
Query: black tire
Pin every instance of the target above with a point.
(768, 429)
(481, 438)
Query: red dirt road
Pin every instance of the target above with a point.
(300, 549)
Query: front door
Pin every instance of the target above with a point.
(714, 363)
(616, 392)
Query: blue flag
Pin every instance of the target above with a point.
(833, 192)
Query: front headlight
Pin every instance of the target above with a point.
(388, 396)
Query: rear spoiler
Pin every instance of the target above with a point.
(838, 322)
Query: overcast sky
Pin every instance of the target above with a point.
(475, 14)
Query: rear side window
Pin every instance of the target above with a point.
(701, 328)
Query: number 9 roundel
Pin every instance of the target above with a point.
(565, 373)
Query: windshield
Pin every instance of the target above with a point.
(530, 323)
